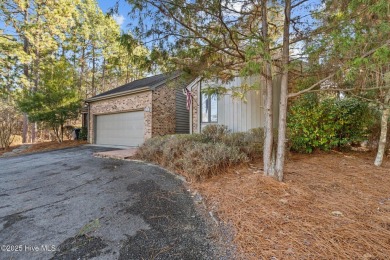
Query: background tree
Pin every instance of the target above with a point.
(225, 39)
(9, 124)
(39, 25)
(56, 101)
(38, 33)
(351, 51)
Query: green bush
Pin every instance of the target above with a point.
(83, 134)
(327, 123)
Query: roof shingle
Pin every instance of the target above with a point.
(140, 83)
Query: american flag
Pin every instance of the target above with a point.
(189, 98)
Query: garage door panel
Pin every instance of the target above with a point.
(120, 129)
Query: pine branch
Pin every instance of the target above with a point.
(367, 54)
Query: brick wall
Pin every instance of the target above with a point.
(195, 107)
(134, 102)
(164, 110)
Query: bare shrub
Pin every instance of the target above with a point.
(251, 143)
(204, 160)
(215, 133)
(151, 150)
(8, 124)
(200, 156)
(68, 132)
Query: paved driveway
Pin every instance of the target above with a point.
(84, 207)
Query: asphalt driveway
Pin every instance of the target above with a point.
(66, 204)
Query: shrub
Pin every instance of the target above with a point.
(204, 160)
(328, 123)
(215, 133)
(151, 150)
(8, 124)
(203, 155)
(251, 143)
(68, 131)
(83, 133)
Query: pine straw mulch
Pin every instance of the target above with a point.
(9, 149)
(45, 146)
(330, 206)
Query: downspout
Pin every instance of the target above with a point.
(88, 122)
(199, 98)
(191, 116)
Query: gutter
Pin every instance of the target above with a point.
(165, 81)
(133, 91)
(124, 93)
(192, 84)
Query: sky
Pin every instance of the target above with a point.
(122, 18)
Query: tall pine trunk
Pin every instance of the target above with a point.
(282, 129)
(104, 75)
(36, 85)
(93, 71)
(26, 74)
(268, 93)
(384, 125)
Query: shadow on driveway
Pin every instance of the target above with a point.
(66, 204)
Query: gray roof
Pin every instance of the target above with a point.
(150, 82)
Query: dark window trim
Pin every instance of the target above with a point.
(209, 112)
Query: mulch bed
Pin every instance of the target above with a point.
(45, 146)
(330, 206)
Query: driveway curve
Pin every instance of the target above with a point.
(66, 204)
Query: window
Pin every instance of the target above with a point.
(209, 107)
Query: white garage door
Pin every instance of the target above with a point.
(120, 129)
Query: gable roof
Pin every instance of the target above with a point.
(145, 84)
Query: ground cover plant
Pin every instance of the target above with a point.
(199, 156)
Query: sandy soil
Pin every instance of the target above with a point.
(330, 206)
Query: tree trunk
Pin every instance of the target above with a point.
(33, 132)
(82, 68)
(268, 93)
(127, 73)
(281, 148)
(104, 75)
(62, 133)
(93, 71)
(57, 134)
(383, 136)
(26, 74)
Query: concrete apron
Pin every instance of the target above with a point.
(117, 154)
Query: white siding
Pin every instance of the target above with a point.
(240, 115)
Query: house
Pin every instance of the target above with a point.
(134, 112)
(239, 115)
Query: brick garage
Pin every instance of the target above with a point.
(132, 113)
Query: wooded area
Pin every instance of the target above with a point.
(56, 53)
(342, 48)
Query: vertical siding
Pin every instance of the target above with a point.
(239, 115)
(182, 114)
